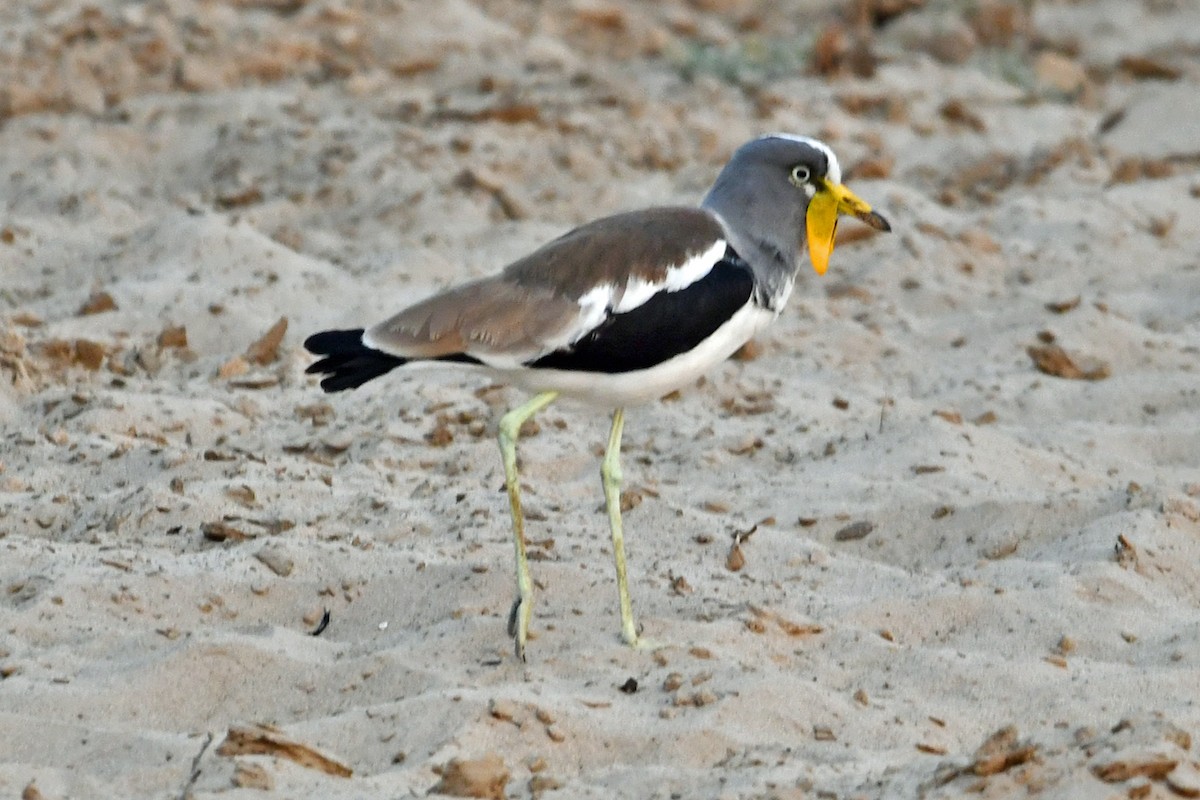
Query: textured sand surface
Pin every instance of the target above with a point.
(959, 574)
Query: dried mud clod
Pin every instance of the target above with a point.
(483, 777)
(1053, 360)
(1000, 752)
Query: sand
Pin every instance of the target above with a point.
(955, 573)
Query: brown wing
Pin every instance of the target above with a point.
(492, 316)
(638, 244)
(533, 306)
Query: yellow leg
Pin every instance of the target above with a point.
(510, 430)
(610, 475)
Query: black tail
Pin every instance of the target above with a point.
(347, 362)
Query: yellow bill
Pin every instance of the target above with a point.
(831, 201)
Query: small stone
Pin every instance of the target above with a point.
(502, 709)
(173, 336)
(220, 531)
(276, 559)
(1184, 780)
(1059, 73)
(89, 354)
(97, 303)
(854, 531)
(483, 777)
(736, 558)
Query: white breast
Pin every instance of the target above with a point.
(640, 386)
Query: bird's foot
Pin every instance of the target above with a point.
(518, 625)
(633, 637)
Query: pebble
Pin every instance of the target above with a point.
(502, 709)
(276, 559)
(1058, 73)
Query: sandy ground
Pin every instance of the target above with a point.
(959, 573)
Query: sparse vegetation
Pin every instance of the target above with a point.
(750, 61)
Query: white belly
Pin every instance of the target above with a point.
(630, 388)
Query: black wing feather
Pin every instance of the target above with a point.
(348, 363)
(666, 325)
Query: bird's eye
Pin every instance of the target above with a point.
(800, 174)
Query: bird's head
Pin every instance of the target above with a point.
(783, 188)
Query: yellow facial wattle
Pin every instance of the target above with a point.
(830, 201)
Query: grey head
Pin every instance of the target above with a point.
(763, 196)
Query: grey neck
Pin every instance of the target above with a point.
(773, 258)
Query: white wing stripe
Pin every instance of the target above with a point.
(593, 309)
(598, 303)
(638, 291)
